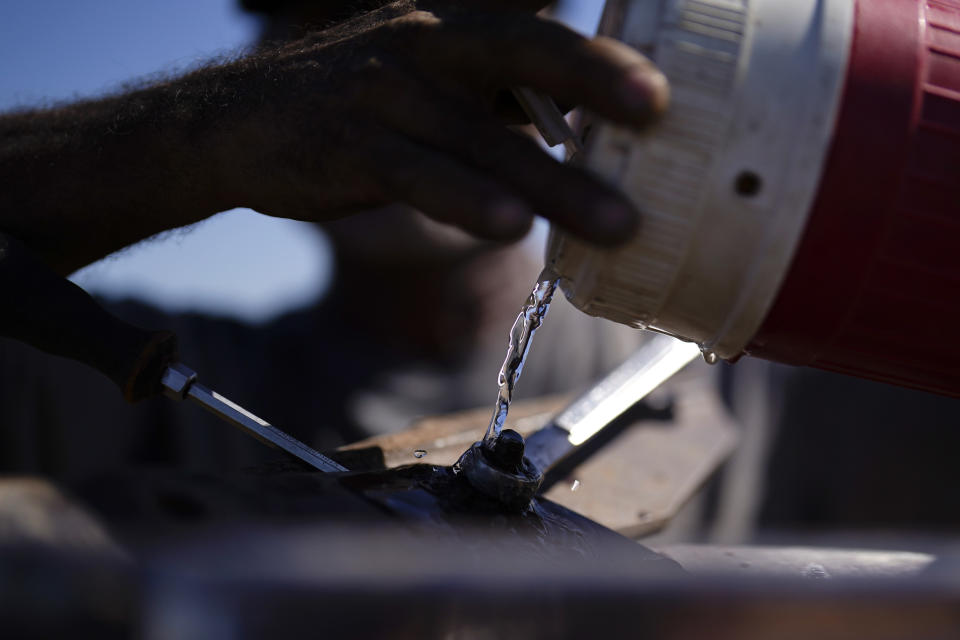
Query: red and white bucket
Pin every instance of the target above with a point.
(802, 195)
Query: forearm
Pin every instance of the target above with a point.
(84, 180)
(398, 105)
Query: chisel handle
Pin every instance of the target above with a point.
(49, 312)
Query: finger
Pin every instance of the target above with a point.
(447, 191)
(568, 196)
(602, 74)
(508, 109)
(508, 5)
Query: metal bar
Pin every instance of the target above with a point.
(549, 121)
(180, 382)
(651, 365)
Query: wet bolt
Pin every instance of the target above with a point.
(507, 452)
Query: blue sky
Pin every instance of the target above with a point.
(53, 50)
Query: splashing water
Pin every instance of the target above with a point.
(709, 356)
(521, 335)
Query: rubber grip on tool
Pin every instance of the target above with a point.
(49, 312)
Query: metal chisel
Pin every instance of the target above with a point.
(649, 367)
(51, 313)
(180, 382)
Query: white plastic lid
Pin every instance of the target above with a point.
(726, 180)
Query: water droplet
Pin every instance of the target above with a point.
(815, 571)
(710, 357)
(575, 485)
(419, 453)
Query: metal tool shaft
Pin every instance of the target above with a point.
(179, 382)
(651, 365)
(548, 119)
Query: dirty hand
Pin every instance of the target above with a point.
(403, 105)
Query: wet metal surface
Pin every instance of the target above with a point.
(442, 501)
(633, 483)
(502, 472)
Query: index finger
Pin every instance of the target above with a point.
(601, 74)
(508, 5)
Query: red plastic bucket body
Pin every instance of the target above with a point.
(874, 286)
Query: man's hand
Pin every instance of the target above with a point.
(397, 105)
